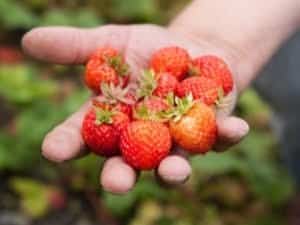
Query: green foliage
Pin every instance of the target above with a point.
(136, 10)
(33, 196)
(14, 14)
(20, 85)
(79, 18)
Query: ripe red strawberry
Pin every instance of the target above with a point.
(166, 84)
(106, 65)
(145, 143)
(215, 68)
(173, 60)
(196, 130)
(97, 74)
(101, 131)
(202, 88)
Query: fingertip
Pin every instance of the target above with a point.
(62, 144)
(174, 170)
(117, 177)
(232, 129)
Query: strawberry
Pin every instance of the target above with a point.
(96, 75)
(215, 68)
(173, 60)
(151, 109)
(101, 130)
(202, 88)
(144, 144)
(106, 65)
(194, 128)
(166, 84)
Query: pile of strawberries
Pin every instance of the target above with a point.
(172, 102)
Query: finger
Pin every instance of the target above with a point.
(174, 170)
(231, 130)
(117, 176)
(65, 142)
(67, 45)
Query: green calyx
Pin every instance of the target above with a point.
(143, 113)
(118, 64)
(181, 106)
(193, 71)
(220, 96)
(103, 116)
(147, 84)
(113, 94)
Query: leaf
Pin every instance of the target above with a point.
(21, 85)
(80, 18)
(33, 194)
(14, 14)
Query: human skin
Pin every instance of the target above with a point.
(244, 33)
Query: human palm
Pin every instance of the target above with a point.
(66, 45)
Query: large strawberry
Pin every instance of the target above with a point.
(202, 88)
(215, 68)
(173, 60)
(101, 130)
(145, 143)
(194, 126)
(106, 65)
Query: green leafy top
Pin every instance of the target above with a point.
(146, 83)
(113, 94)
(119, 65)
(180, 106)
(103, 116)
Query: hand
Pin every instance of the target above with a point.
(73, 46)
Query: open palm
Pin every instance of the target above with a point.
(66, 45)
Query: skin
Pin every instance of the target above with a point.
(246, 46)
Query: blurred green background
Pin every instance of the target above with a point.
(244, 186)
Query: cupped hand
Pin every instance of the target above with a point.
(65, 45)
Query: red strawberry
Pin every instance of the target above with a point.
(95, 75)
(101, 131)
(166, 84)
(106, 65)
(202, 88)
(196, 130)
(173, 60)
(145, 143)
(215, 68)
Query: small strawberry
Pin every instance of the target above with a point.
(144, 144)
(173, 60)
(151, 109)
(97, 75)
(106, 65)
(194, 127)
(166, 84)
(202, 88)
(215, 68)
(101, 131)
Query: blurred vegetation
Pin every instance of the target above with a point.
(246, 185)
